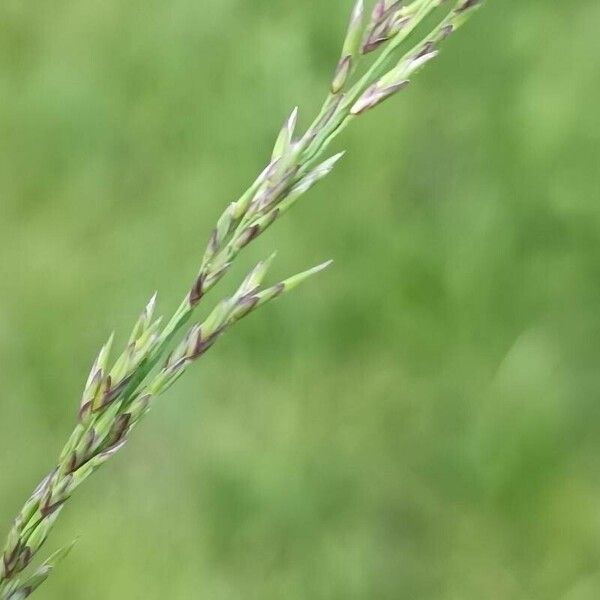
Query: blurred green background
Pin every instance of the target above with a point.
(421, 422)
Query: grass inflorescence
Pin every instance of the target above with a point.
(119, 393)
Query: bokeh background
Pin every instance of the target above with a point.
(421, 422)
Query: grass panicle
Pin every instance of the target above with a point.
(119, 393)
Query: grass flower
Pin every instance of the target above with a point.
(119, 392)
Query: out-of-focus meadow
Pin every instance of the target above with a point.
(422, 421)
